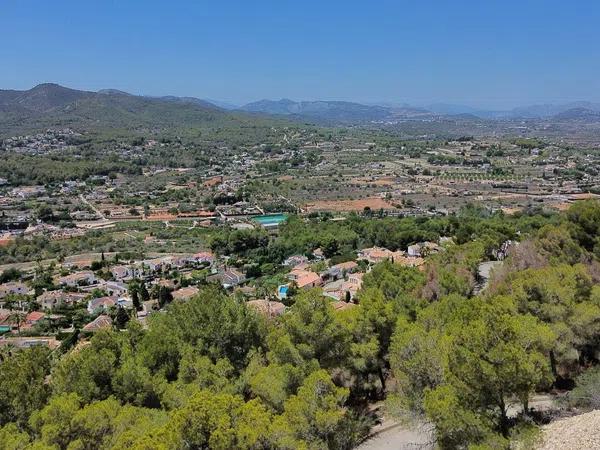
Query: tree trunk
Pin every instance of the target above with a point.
(553, 364)
(525, 403)
(503, 418)
(381, 378)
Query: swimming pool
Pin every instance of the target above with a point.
(271, 220)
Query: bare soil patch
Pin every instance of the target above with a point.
(375, 203)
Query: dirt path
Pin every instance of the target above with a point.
(391, 435)
(573, 433)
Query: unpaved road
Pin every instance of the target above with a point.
(394, 436)
(572, 433)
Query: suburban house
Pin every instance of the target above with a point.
(318, 254)
(31, 341)
(165, 282)
(204, 257)
(114, 287)
(356, 279)
(410, 261)
(157, 264)
(32, 319)
(339, 270)
(83, 278)
(378, 254)
(52, 299)
(295, 260)
(181, 262)
(16, 288)
(422, 249)
(267, 308)
(101, 303)
(308, 280)
(125, 273)
(297, 272)
(185, 293)
(232, 277)
(101, 322)
(344, 289)
(346, 267)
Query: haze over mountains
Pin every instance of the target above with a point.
(51, 104)
(356, 111)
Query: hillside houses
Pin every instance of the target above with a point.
(101, 293)
(126, 273)
(13, 288)
(185, 293)
(295, 260)
(102, 322)
(304, 278)
(51, 299)
(422, 249)
(229, 278)
(83, 278)
(96, 305)
(204, 258)
(32, 319)
(376, 255)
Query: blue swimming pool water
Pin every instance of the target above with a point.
(271, 219)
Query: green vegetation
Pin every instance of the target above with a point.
(211, 373)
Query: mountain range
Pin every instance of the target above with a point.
(341, 112)
(50, 104)
(333, 111)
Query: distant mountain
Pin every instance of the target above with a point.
(525, 112)
(580, 114)
(41, 98)
(283, 106)
(192, 100)
(113, 92)
(222, 104)
(51, 105)
(330, 111)
(549, 110)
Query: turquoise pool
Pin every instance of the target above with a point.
(270, 220)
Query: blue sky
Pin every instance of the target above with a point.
(484, 53)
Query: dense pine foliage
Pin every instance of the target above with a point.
(211, 373)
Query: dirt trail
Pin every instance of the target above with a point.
(573, 433)
(391, 435)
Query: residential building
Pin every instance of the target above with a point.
(308, 280)
(205, 257)
(185, 293)
(295, 260)
(101, 303)
(51, 299)
(101, 322)
(84, 278)
(14, 288)
(232, 277)
(267, 308)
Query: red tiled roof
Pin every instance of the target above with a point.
(34, 316)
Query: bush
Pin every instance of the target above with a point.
(587, 390)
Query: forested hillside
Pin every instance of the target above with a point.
(211, 373)
(120, 113)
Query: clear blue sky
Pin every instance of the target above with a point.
(482, 53)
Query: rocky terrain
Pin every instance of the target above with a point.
(573, 433)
